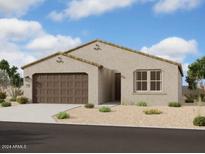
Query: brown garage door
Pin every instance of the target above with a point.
(60, 88)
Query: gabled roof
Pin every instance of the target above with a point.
(83, 60)
(40, 60)
(130, 50)
(66, 55)
(98, 65)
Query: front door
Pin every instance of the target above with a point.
(117, 86)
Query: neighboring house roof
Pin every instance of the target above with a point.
(98, 65)
(66, 55)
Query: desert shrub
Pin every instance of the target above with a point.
(12, 99)
(152, 111)
(22, 100)
(63, 115)
(2, 95)
(174, 104)
(203, 97)
(15, 92)
(4, 78)
(105, 109)
(89, 105)
(199, 121)
(141, 103)
(189, 100)
(5, 104)
(2, 100)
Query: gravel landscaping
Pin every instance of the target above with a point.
(171, 117)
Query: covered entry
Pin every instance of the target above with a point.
(69, 88)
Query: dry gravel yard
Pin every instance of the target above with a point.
(181, 117)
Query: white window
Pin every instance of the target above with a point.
(147, 80)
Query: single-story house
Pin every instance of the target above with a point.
(98, 72)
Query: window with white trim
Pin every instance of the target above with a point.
(147, 80)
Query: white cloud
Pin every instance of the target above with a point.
(53, 43)
(173, 48)
(14, 55)
(185, 69)
(77, 9)
(15, 29)
(24, 41)
(83, 8)
(169, 6)
(57, 16)
(17, 7)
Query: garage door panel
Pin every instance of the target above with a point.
(79, 100)
(52, 99)
(41, 92)
(63, 92)
(41, 99)
(60, 88)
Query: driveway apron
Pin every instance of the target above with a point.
(33, 112)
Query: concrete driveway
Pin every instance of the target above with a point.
(33, 112)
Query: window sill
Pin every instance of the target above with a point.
(149, 93)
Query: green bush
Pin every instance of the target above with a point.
(13, 99)
(141, 103)
(174, 104)
(202, 97)
(189, 100)
(199, 121)
(22, 100)
(2, 95)
(152, 111)
(63, 115)
(15, 92)
(89, 105)
(104, 109)
(2, 100)
(5, 104)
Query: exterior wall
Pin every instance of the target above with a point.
(126, 62)
(106, 85)
(69, 66)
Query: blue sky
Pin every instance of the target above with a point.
(173, 29)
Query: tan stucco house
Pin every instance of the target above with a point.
(99, 72)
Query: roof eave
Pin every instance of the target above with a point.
(112, 44)
(42, 59)
(66, 55)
